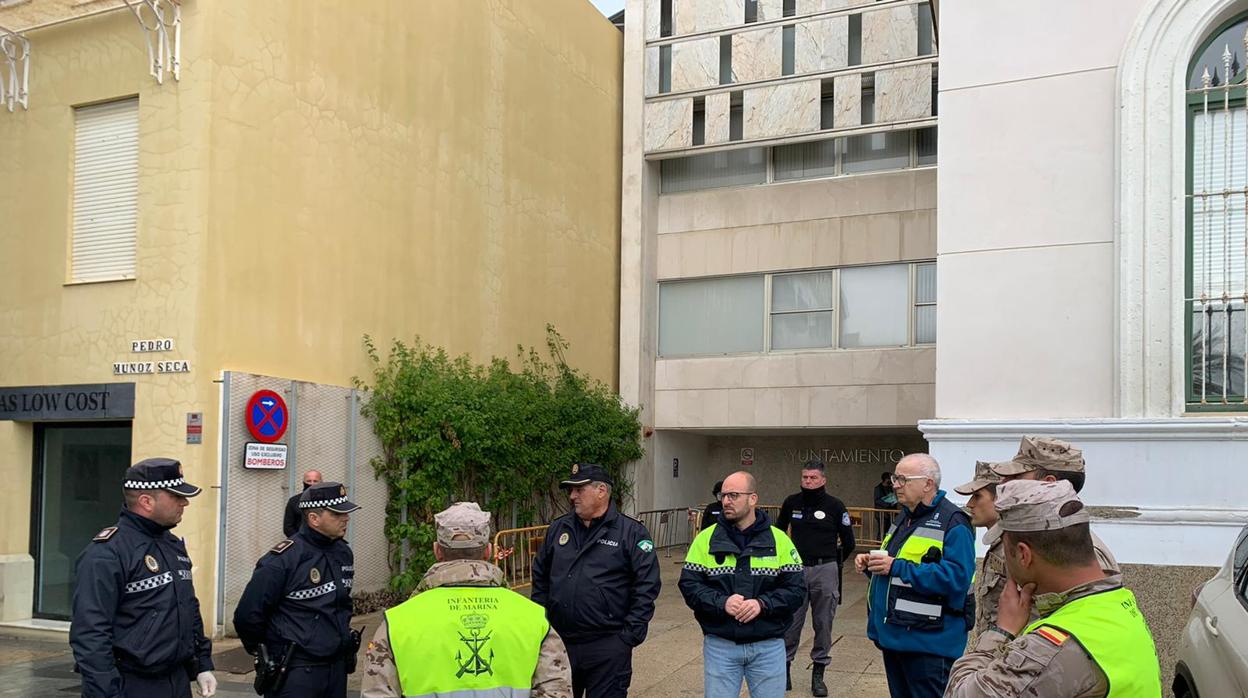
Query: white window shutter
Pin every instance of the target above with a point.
(106, 190)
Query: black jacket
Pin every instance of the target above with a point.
(706, 592)
(604, 586)
(710, 515)
(818, 521)
(135, 607)
(300, 592)
(293, 518)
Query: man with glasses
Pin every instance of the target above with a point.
(597, 575)
(743, 579)
(919, 583)
(817, 521)
(294, 517)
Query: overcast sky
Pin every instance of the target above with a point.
(608, 7)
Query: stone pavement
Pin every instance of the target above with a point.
(669, 663)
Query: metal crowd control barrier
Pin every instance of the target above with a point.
(514, 550)
(870, 524)
(671, 528)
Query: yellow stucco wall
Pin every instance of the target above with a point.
(449, 169)
(443, 169)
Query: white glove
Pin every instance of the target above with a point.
(207, 684)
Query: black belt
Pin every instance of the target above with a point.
(816, 561)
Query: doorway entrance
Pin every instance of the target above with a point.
(77, 491)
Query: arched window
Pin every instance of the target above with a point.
(1216, 290)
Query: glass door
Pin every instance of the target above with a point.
(78, 473)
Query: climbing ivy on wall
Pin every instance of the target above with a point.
(502, 434)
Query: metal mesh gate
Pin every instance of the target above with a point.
(326, 433)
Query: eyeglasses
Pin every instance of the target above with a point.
(901, 480)
(733, 496)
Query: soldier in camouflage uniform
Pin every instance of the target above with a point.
(463, 554)
(1091, 635)
(990, 576)
(1048, 459)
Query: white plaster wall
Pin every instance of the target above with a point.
(980, 45)
(1183, 476)
(1020, 339)
(1026, 209)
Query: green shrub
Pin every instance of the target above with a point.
(502, 436)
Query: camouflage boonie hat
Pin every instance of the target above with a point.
(1036, 452)
(1033, 505)
(463, 525)
(983, 477)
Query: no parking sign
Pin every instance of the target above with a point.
(267, 416)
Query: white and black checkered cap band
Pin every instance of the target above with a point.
(158, 485)
(321, 503)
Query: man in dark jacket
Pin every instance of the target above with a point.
(743, 579)
(294, 517)
(597, 575)
(817, 522)
(136, 627)
(298, 600)
(710, 514)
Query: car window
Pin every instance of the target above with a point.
(1241, 555)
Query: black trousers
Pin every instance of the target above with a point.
(916, 675)
(601, 668)
(175, 685)
(305, 680)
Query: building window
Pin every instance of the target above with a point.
(889, 305)
(725, 59)
(1216, 289)
(711, 316)
(787, 36)
(106, 191)
(665, 69)
(801, 310)
(925, 303)
(751, 11)
(925, 29)
(875, 306)
(833, 157)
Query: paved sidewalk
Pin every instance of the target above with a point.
(669, 663)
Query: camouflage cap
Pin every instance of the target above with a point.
(984, 476)
(1033, 505)
(1037, 452)
(463, 525)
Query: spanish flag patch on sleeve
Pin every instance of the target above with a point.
(1053, 635)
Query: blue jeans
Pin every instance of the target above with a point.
(725, 663)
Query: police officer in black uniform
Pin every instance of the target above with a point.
(597, 575)
(817, 522)
(296, 610)
(710, 514)
(136, 627)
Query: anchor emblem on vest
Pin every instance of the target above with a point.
(475, 664)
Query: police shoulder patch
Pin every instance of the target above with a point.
(105, 534)
(1052, 634)
(281, 547)
(646, 545)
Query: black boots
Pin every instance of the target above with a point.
(817, 687)
(788, 676)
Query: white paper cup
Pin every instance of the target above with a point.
(877, 553)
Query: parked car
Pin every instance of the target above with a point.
(1213, 652)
